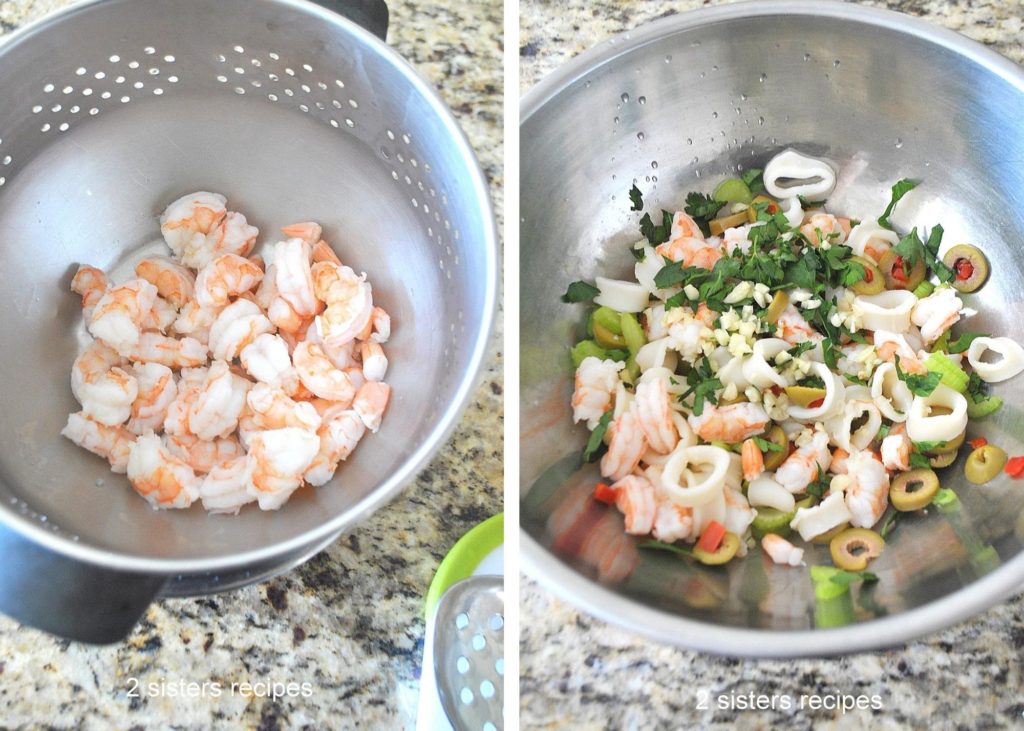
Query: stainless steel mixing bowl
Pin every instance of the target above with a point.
(676, 106)
(115, 108)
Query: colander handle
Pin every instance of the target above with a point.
(69, 598)
(370, 14)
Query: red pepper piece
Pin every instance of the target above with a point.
(605, 493)
(712, 537)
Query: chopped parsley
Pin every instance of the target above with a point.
(800, 348)
(845, 578)
(899, 189)
(963, 342)
(919, 461)
(703, 385)
(754, 178)
(656, 234)
(636, 198)
(596, 442)
(766, 446)
(580, 292)
(919, 385)
(702, 208)
(889, 524)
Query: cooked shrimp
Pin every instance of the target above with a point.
(217, 406)
(626, 446)
(174, 353)
(165, 481)
(293, 276)
(196, 321)
(803, 466)
(596, 381)
(822, 226)
(753, 460)
(896, 452)
(225, 277)
(375, 363)
(794, 328)
(226, 488)
(867, 492)
(174, 282)
(381, 325)
(91, 283)
(838, 464)
(113, 443)
(192, 380)
(156, 390)
(118, 315)
(738, 513)
(339, 434)
(782, 551)
(234, 235)
(286, 319)
(349, 300)
(309, 231)
(202, 455)
(272, 408)
(732, 423)
(187, 223)
(323, 252)
(889, 346)
(237, 325)
(161, 317)
(277, 460)
(673, 522)
(319, 375)
(635, 499)
(370, 402)
(105, 390)
(266, 359)
(654, 415)
(936, 313)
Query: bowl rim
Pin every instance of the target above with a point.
(478, 196)
(573, 587)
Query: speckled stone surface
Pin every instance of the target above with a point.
(582, 674)
(349, 622)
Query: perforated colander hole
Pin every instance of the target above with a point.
(239, 70)
(36, 109)
(336, 104)
(239, 49)
(138, 85)
(349, 122)
(222, 79)
(256, 83)
(169, 58)
(158, 91)
(67, 89)
(99, 75)
(307, 67)
(115, 59)
(221, 58)
(154, 72)
(391, 135)
(321, 106)
(149, 50)
(256, 62)
(173, 79)
(272, 97)
(394, 174)
(496, 621)
(119, 80)
(462, 665)
(56, 108)
(305, 88)
(125, 99)
(466, 696)
(462, 620)
(239, 90)
(335, 124)
(478, 643)
(7, 160)
(487, 689)
(407, 139)
(273, 77)
(80, 71)
(133, 65)
(488, 726)
(339, 83)
(400, 156)
(289, 70)
(94, 111)
(303, 107)
(321, 86)
(353, 103)
(64, 127)
(45, 127)
(87, 91)
(105, 95)
(274, 56)
(2, 181)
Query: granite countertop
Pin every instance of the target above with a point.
(349, 622)
(580, 673)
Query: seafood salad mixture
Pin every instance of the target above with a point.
(226, 377)
(776, 370)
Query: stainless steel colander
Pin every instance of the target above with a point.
(677, 106)
(113, 109)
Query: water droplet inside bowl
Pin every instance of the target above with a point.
(836, 63)
(714, 115)
(760, 121)
(668, 59)
(807, 57)
(624, 97)
(762, 78)
(641, 136)
(689, 140)
(654, 164)
(642, 100)
(899, 142)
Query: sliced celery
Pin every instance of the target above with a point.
(952, 375)
(986, 407)
(587, 349)
(632, 333)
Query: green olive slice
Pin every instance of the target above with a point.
(969, 265)
(718, 225)
(779, 303)
(913, 490)
(873, 282)
(723, 554)
(951, 446)
(942, 460)
(853, 548)
(774, 458)
(804, 396)
(897, 274)
(984, 463)
(606, 338)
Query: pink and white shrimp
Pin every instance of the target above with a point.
(226, 488)
(375, 363)
(196, 321)
(161, 317)
(732, 423)
(349, 301)
(174, 353)
(319, 374)
(738, 513)
(936, 313)
(895, 451)
(782, 551)
(157, 389)
(198, 227)
(266, 359)
(381, 322)
(202, 455)
(174, 282)
(673, 522)
(293, 277)
(867, 493)
(838, 464)
(237, 325)
(278, 458)
(687, 246)
(370, 403)
(220, 400)
(308, 231)
(165, 481)
(191, 381)
(227, 276)
(820, 226)
(803, 466)
(794, 328)
(323, 252)
(890, 345)
(119, 314)
(272, 408)
(105, 390)
(752, 460)
(626, 446)
(339, 434)
(91, 283)
(113, 443)
(654, 415)
(596, 381)
(636, 501)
